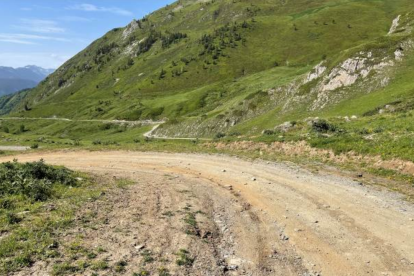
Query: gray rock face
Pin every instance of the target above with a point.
(130, 29)
(395, 24)
(285, 127)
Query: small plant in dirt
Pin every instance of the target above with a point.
(142, 273)
(183, 258)
(100, 265)
(120, 266)
(124, 183)
(147, 256)
(91, 255)
(162, 271)
(65, 268)
(168, 214)
(190, 219)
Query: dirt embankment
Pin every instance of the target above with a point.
(235, 217)
(302, 148)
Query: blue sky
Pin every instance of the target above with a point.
(46, 33)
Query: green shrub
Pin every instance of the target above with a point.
(11, 218)
(268, 132)
(323, 126)
(33, 180)
(184, 259)
(106, 126)
(162, 271)
(34, 146)
(22, 128)
(120, 266)
(220, 135)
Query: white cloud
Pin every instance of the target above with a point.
(93, 8)
(28, 39)
(16, 41)
(39, 26)
(75, 19)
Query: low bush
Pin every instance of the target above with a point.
(34, 146)
(323, 126)
(220, 135)
(33, 180)
(268, 132)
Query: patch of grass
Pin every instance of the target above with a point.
(183, 258)
(124, 183)
(65, 269)
(100, 265)
(162, 271)
(147, 256)
(190, 219)
(120, 266)
(35, 180)
(168, 214)
(142, 273)
(91, 255)
(30, 229)
(12, 218)
(101, 250)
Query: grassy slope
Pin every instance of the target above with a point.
(321, 31)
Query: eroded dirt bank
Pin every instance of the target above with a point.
(235, 217)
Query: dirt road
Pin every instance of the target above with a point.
(236, 217)
(150, 134)
(141, 122)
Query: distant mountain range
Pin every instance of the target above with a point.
(16, 79)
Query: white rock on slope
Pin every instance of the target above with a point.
(317, 71)
(130, 29)
(395, 24)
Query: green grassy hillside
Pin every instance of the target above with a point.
(235, 66)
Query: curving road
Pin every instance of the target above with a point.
(279, 219)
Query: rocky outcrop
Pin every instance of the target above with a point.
(395, 24)
(130, 29)
(316, 72)
(346, 74)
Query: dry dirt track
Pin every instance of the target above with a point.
(265, 218)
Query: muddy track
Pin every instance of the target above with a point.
(249, 218)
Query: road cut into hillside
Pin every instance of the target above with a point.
(239, 217)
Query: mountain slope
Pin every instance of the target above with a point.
(237, 66)
(13, 80)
